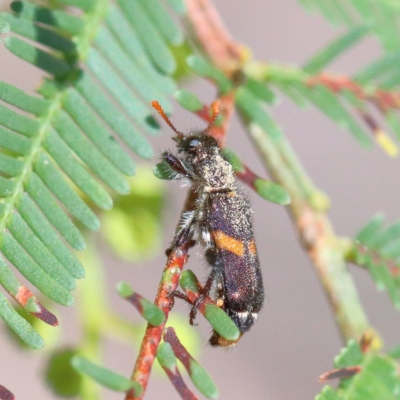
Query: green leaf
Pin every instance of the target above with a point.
(62, 378)
(19, 325)
(139, 79)
(14, 142)
(40, 58)
(205, 69)
(202, 380)
(221, 322)
(188, 100)
(378, 68)
(381, 17)
(59, 148)
(149, 35)
(253, 111)
(377, 249)
(39, 252)
(163, 171)
(166, 356)
(189, 282)
(18, 123)
(178, 5)
(349, 355)
(148, 310)
(33, 272)
(128, 100)
(330, 105)
(4, 24)
(104, 376)
(335, 49)
(395, 353)
(272, 192)
(16, 97)
(125, 33)
(328, 393)
(93, 127)
(66, 159)
(233, 159)
(163, 21)
(41, 35)
(261, 90)
(377, 377)
(50, 208)
(113, 117)
(372, 227)
(87, 5)
(56, 18)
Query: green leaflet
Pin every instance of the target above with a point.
(150, 36)
(380, 17)
(58, 367)
(47, 37)
(60, 152)
(377, 249)
(104, 376)
(377, 378)
(39, 58)
(19, 325)
(335, 49)
(55, 18)
(188, 100)
(203, 68)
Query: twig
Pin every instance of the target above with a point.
(213, 36)
(340, 373)
(316, 234)
(169, 283)
(179, 384)
(384, 99)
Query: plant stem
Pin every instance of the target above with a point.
(308, 210)
(168, 284)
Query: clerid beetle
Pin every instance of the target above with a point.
(221, 223)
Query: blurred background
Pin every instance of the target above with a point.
(295, 339)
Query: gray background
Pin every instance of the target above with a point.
(295, 339)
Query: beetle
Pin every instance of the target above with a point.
(221, 223)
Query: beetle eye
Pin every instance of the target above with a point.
(193, 143)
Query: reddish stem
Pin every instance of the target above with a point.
(24, 295)
(179, 384)
(5, 394)
(213, 36)
(340, 373)
(384, 99)
(169, 283)
(179, 350)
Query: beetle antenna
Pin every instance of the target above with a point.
(215, 109)
(157, 106)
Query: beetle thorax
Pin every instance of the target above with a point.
(214, 171)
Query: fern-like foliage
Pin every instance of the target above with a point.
(347, 101)
(378, 249)
(103, 62)
(377, 378)
(382, 17)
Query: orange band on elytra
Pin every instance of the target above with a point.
(226, 242)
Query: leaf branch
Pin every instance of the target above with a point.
(153, 335)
